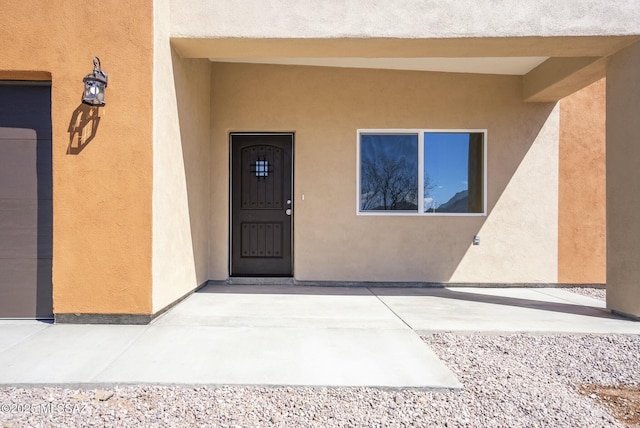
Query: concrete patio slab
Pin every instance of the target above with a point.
(65, 353)
(495, 310)
(280, 356)
(293, 335)
(573, 298)
(13, 332)
(283, 306)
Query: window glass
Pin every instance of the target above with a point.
(262, 168)
(453, 172)
(389, 172)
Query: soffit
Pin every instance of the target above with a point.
(489, 65)
(499, 55)
(401, 48)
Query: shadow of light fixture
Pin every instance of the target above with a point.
(95, 84)
(83, 128)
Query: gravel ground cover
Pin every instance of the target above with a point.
(622, 401)
(596, 293)
(514, 380)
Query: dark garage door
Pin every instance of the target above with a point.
(25, 201)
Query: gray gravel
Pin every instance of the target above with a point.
(514, 380)
(596, 293)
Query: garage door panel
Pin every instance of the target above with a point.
(17, 150)
(41, 134)
(25, 181)
(34, 120)
(24, 149)
(13, 133)
(25, 111)
(25, 288)
(26, 98)
(17, 101)
(26, 228)
(45, 180)
(17, 289)
(37, 122)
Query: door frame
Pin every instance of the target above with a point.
(230, 177)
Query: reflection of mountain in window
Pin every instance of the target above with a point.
(453, 163)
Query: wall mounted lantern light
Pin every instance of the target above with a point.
(94, 85)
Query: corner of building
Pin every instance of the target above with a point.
(181, 168)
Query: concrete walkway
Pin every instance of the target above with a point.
(292, 335)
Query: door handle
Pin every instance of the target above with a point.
(288, 211)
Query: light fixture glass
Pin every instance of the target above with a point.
(95, 84)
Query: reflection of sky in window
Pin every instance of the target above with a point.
(388, 146)
(446, 167)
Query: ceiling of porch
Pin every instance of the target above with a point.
(486, 65)
(551, 67)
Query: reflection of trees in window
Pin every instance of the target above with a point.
(452, 166)
(388, 184)
(389, 172)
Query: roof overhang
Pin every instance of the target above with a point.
(552, 67)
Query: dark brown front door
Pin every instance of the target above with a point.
(261, 204)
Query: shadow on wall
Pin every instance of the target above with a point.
(326, 106)
(509, 215)
(83, 128)
(193, 97)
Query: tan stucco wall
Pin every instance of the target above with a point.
(402, 18)
(623, 185)
(582, 193)
(102, 195)
(519, 237)
(181, 168)
(325, 107)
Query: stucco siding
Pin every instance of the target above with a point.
(141, 202)
(402, 18)
(325, 107)
(623, 186)
(181, 169)
(582, 193)
(518, 240)
(101, 186)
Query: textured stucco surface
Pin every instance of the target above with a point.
(623, 185)
(518, 240)
(325, 107)
(101, 195)
(181, 168)
(582, 187)
(378, 47)
(402, 18)
(129, 240)
(558, 78)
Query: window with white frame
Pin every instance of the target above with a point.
(430, 172)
